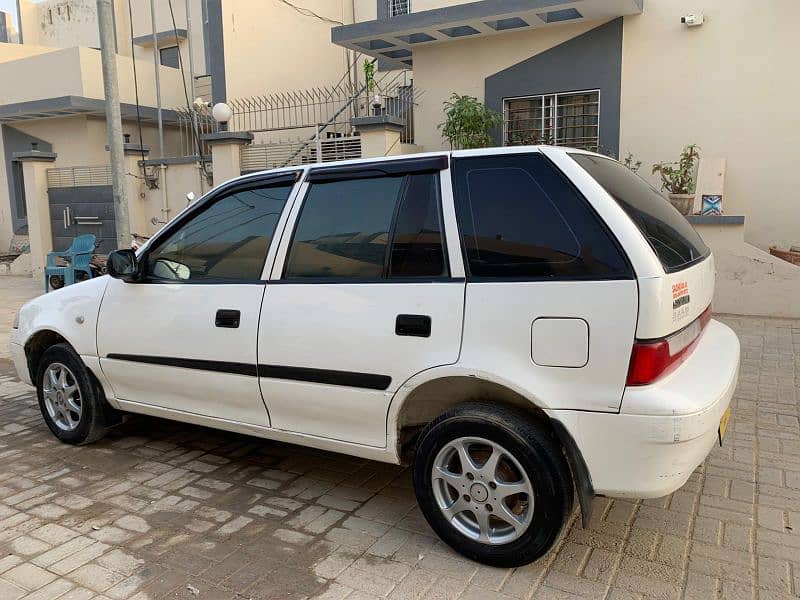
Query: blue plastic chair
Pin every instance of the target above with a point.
(79, 256)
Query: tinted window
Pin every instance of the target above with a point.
(417, 243)
(343, 229)
(673, 239)
(346, 228)
(228, 240)
(520, 218)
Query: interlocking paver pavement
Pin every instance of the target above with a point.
(165, 510)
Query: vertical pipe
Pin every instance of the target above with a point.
(19, 22)
(114, 124)
(191, 53)
(157, 66)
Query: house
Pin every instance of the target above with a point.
(621, 76)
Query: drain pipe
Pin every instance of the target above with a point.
(164, 193)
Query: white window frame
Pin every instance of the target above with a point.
(398, 7)
(554, 113)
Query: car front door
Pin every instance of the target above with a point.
(184, 337)
(362, 297)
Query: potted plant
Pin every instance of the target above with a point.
(468, 122)
(369, 79)
(678, 178)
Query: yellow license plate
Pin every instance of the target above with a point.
(723, 424)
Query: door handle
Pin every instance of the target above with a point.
(228, 318)
(413, 325)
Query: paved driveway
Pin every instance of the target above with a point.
(164, 510)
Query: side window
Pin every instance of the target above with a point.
(369, 229)
(520, 218)
(417, 243)
(226, 241)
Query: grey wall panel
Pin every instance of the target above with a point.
(589, 61)
(15, 140)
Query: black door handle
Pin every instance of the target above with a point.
(413, 325)
(227, 317)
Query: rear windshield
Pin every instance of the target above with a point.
(673, 239)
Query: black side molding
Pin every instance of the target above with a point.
(367, 381)
(327, 376)
(218, 366)
(405, 166)
(580, 472)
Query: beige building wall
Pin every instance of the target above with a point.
(78, 72)
(10, 52)
(462, 66)
(270, 47)
(730, 86)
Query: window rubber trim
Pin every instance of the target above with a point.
(389, 168)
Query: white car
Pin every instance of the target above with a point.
(520, 324)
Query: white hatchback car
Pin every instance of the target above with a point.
(521, 324)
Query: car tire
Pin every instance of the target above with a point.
(510, 504)
(72, 403)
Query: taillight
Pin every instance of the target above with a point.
(651, 359)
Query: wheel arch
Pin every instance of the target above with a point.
(36, 345)
(429, 394)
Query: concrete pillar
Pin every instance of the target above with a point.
(34, 173)
(380, 135)
(226, 151)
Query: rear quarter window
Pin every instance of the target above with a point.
(674, 241)
(520, 218)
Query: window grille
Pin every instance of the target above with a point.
(569, 119)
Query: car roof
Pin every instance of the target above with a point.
(493, 151)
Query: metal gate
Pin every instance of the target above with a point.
(82, 201)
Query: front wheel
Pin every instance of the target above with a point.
(72, 404)
(493, 484)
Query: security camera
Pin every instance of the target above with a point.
(693, 20)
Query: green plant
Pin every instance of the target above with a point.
(468, 122)
(369, 74)
(678, 177)
(631, 162)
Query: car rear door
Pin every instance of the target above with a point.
(363, 296)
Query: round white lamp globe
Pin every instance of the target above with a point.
(221, 112)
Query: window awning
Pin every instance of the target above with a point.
(393, 39)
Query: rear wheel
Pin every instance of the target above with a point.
(72, 404)
(493, 484)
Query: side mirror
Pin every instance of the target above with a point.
(123, 264)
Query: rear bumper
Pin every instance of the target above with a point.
(665, 430)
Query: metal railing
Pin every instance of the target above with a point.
(258, 157)
(79, 176)
(308, 109)
(203, 122)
